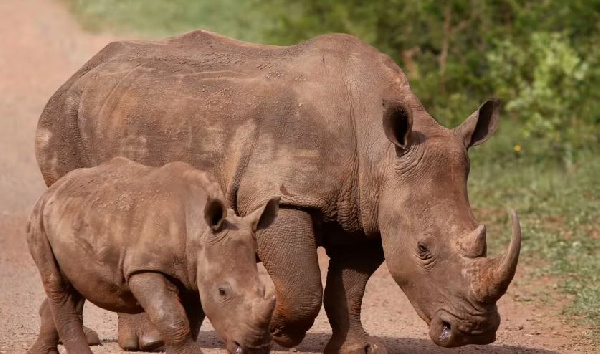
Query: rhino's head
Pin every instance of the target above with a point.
(232, 294)
(434, 248)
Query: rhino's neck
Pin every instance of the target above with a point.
(375, 153)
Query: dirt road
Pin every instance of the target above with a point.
(40, 47)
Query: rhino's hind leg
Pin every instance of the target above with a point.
(288, 251)
(160, 300)
(63, 301)
(349, 270)
(90, 335)
(64, 304)
(47, 341)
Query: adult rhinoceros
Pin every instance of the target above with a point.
(331, 125)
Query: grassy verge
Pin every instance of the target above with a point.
(559, 208)
(560, 218)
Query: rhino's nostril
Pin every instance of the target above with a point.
(238, 348)
(446, 333)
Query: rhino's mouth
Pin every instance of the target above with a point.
(234, 347)
(445, 330)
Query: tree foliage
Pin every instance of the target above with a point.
(541, 57)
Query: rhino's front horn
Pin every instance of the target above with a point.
(263, 309)
(492, 276)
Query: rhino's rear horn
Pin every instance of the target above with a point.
(474, 244)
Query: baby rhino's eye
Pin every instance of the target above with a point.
(423, 251)
(224, 291)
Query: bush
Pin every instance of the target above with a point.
(544, 80)
(540, 57)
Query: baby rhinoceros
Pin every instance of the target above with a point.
(132, 238)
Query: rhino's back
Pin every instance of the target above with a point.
(122, 217)
(207, 51)
(257, 117)
(101, 202)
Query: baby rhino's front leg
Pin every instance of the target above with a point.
(160, 300)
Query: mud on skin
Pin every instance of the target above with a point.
(336, 123)
(132, 238)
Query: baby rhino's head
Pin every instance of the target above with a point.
(233, 297)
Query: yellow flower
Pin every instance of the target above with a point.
(517, 148)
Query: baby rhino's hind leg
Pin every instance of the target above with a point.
(47, 341)
(63, 302)
(90, 334)
(65, 305)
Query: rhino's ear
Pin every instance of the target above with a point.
(264, 216)
(397, 123)
(214, 213)
(480, 125)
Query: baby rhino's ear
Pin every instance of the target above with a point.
(214, 213)
(264, 216)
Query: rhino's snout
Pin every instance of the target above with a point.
(253, 336)
(448, 331)
(235, 347)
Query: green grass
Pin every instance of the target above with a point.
(560, 216)
(240, 19)
(559, 206)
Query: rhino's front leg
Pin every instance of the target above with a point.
(288, 251)
(349, 270)
(195, 314)
(160, 299)
(136, 332)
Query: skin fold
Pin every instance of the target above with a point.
(330, 125)
(132, 238)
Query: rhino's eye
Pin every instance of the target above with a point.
(224, 291)
(423, 251)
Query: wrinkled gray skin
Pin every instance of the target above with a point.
(132, 238)
(332, 126)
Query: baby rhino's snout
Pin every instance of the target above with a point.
(253, 336)
(240, 311)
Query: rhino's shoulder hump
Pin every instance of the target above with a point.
(204, 45)
(341, 41)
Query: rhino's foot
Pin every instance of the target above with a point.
(90, 335)
(368, 345)
(140, 341)
(42, 348)
(137, 333)
(287, 336)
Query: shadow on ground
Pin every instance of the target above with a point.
(315, 343)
